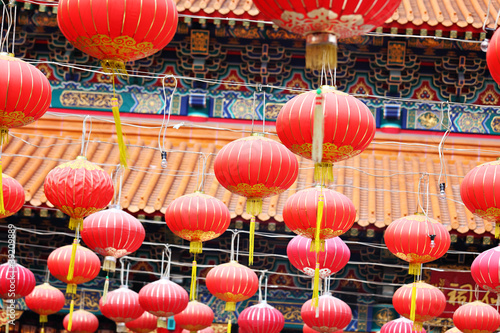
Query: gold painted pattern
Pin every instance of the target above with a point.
(257, 190)
(331, 153)
(230, 297)
(491, 214)
(14, 119)
(78, 211)
(415, 258)
(197, 235)
(325, 233)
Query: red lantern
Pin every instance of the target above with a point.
(118, 32)
(16, 281)
(195, 317)
(417, 239)
(13, 195)
(479, 192)
(78, 188)
(121, 306)
(261, 318)
(45, 300)
(205, 330)
(197, 218)
(429, 302)
(144, 324)
(493, 57)
(333, 314)
(476, 317)
(86, 266)
(485, 270)
(82, 322)
(112, 233)
(163, 298)
(400, 325)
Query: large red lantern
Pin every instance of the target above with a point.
(232, 282)
(82, 322)
(255, 167)
(428, 303)
(86, 266)
(195, 317)
(261, 318)
(493, 57)
(347, 125)
(45, 300)
(479, 192)
(144, 324)
(331, 315)
(13, 196)
(485, 270)
(417, 239)
(476, 317)
(121, 306)
(78, 188)
(400, 325)
(163, 298)
(197, 218)
(16, 281)
(112, 233)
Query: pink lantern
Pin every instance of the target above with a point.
(261, 318)
(400, 325)
(331, 315)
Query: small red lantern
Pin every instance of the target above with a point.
(417, 239)
(334, 257)
(78, 188)
(144, 324)
(331, 315)
(112, 233)
(45, 300)
(121, 306)
(195, 317)
(232, 282)
(13, 195)
(261, 318)
(479, 192)
(82, 322)
(400, 325)
(86, 266)
(16, 281)
(197, 218)
(429, 302)
(485, 270)
(493, 57)
(476, 317)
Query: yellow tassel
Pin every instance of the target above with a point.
(413, 304)
(254, 206)
(2, 206)
(114, 66)
(105, 290)
(43, 318)
(318, 55)
(417, 326)
(319, 219)
(315, 301)
(192, 290)
(75, 223)
(71, 288)
(230, 307)
(109, 265)
(229, 326)
(251, 240)
(161, 322)
(415, 268)
(318, 129)
(7, 327)
(71, 269)
(4, 136)
(119, 134)
(195, 247)
(42, 330)
(70, 320)
(323, 172)
(497, 230)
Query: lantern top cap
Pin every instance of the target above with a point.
(81, 158)
(257, 134)
(331, 89)
(8, 57)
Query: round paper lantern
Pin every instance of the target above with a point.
(82, 322)
(87, 266)
(476, 317)
(348, 127)
(118, 32)
(163, 298)
(417, 239)
(429, 302)
(113, 234)
(493, 57)
(16, 281)
(195, 317)
(45, 300)
(400, 325)
(144, 324)
(205, 330)
(78, 188)
(197, 218)
(453, 330)
(334, 257)
(13, 195)
(121, 306)
(261, 318)
(485, 270)
(324, 22)
(333, 314)
(232, 282)
(300, 213)
(479, 194)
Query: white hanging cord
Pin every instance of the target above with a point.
(162, 264)
(166, 118)
(265, 287)
(122, 271)
(168, 252)
(201, 185)
(83, 150)
(264, 113)
(254, 110)
(261, 277)
(128, 273)
(487, 15)
(14, 24)
(233, 238)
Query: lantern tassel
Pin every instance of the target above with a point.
(161, 322)
(229, 325)
(417, 326)
(251, 241)
(497, 230)
(415, 268)
(195, 247)
(413, 304)
(230, 307)
(254, 206)
(42, 330)
(105, 290)
(119, 133)
(192, 290)
(7, 327)
(4, 136)
(71, 288)
(71, 269)
(318, 129)
(319, 219)
(43, 318)
(2, 206)
(75, 223)
(323, 172)
(315, 300)
(109, 264)
(70, 320)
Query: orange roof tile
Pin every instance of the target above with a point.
(382, 182)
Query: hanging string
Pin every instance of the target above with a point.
(162, 262)
(261, 277)
(233, 238)
(84, 138)
(254, 111)
(203, 172)
(166, 115)
(122, 272)
(265, 288)
(168, 253)
(14, 24)
(264, 114)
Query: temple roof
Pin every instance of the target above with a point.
(446, 14)
(382, 182)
